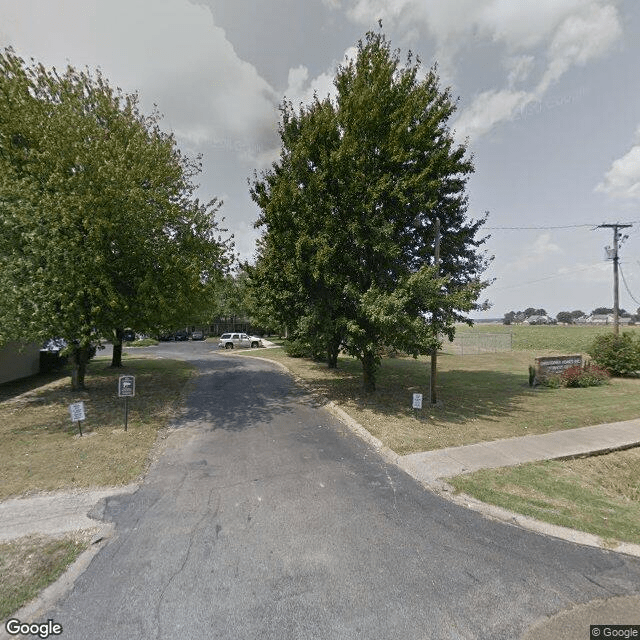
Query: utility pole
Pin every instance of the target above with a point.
(616, 303)
(434, 353)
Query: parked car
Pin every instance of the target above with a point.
(197, 335)
(129, 335)
(181, 335)
(231, 340)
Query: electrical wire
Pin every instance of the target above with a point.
(557, 275)
(625, 284)
(568, 226)
(549, 228)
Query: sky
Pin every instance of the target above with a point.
(548, 103)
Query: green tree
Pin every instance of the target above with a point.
(565, 316)
(349, 214)
(509, 317)
(103, 230)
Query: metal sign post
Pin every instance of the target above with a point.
(77, 414)
(126, 390)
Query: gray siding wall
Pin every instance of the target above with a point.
(18, 361)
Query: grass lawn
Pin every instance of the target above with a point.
(562, 339)
(481, 398)
(599, 495)
(40, 449)
(30, 564)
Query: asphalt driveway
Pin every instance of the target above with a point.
(267, 518)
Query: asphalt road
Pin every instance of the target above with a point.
(267, 518)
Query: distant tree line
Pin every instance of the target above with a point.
(565, 317)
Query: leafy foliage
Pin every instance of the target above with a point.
(618, 354)
(588, 375)
(100, 228)
(349, 211)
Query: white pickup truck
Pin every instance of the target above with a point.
(231, 340)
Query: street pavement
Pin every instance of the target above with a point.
(267, 517)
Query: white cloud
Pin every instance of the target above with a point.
(489, 108)
(581, 37)
(519, 68)
(170, 50)
(540, 252)
(570, 32)
(623, 178)
(300, 89)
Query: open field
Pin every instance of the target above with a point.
(41, 450)
(564, 339)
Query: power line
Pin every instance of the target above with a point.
(550, 228)
(626, 286)
(556, 275)
(566, 226)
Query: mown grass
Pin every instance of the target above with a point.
(480, 398)
(599, 495)
(30, 564)
(566, 339)
(40, 449)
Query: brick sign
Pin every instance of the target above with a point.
(551, 365)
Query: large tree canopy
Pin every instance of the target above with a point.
(99, 225)
(349, 214)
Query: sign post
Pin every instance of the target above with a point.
(417, 402)
(126, 390)
(77, 414)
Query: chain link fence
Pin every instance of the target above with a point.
(476, 342)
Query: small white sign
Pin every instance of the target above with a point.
(77, 411)
(417, 401)
(126, 386)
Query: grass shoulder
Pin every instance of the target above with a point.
(40, 447)
(30, 564)
(598, 495)
(481, 398)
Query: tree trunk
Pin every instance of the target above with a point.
(116, 358)
(79, 360)
(369, 367)
(333, 349)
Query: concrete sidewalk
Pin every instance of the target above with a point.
(54, 514)
(430, 466)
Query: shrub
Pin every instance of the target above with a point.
(298, 349)
(587, 376)
(618, 354)
(552, 381)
